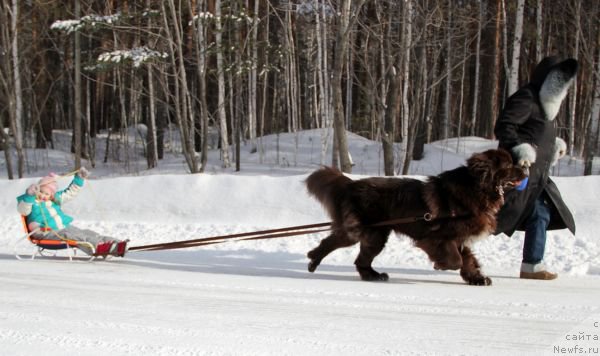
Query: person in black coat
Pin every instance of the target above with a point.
(526, 128)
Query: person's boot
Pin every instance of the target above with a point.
(536, 271)
(119, 249)
(122, 248)
(103, 249)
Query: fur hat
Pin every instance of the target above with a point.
(553, 77)
(48, 184)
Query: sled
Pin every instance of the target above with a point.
(47, 247)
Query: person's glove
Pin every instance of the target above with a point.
(525, 155)
(560, 150)
(33, 190)
(83, 173)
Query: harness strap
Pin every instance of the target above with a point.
(399, 221)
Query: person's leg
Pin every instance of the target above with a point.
(535, 242)
(104, 245)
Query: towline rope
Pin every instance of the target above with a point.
(269, 234)
(254, 235)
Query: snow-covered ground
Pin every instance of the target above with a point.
(256, 297)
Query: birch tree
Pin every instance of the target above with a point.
(6, 87)
(513, 79)
(151, 139)
(405, 152)
(252, 74)
(201, 49)
(490, 68)
(221, 113)
(574, 89)
(448, 81)
(322, 68)
(474, 113)
(592, 132)
(184, 111)
(77, 117)
(341, 46)
(16, 109)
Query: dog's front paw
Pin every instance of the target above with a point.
(480, 280)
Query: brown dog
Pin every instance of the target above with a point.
(449, 210)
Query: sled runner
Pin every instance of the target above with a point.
(46, 247)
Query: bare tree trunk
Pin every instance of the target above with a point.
(461, 97)
(349, 81)
(235, 95)
(539, 33)
(201, 53)
(513, 79)
(341, 46)
(123, 117)
(322, 78)
(591, 142)
(447, 93)
(221, 91)
(504, 49)
(417, 147)
(183, 100)
(391, 112)
(151, 141)
(77, 117)
(90, 144)
(252, 76)
(573, 94)
(4, 139)
(292, 82)
(474, 114)
(403, 159)
(17, 114)
(490, 69)
(264, 88)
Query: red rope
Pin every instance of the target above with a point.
(255, 235)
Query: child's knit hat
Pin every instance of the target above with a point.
(48, 184)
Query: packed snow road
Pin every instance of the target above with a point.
(246, 302)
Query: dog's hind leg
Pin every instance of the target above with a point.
(369, 249)
(471, 270)
(329, 244)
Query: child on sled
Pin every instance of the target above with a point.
(41, 205)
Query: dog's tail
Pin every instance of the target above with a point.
(328, 185)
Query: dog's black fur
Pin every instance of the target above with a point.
(462, 203)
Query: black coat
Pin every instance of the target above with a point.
(523, 120)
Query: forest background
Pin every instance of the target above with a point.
(403, 73)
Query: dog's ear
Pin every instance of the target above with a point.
(480, 166)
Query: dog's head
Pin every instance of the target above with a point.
(495, 172)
